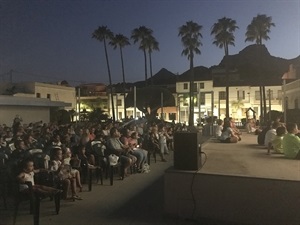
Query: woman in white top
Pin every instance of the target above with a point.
(228, 135)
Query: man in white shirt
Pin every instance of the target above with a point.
(270, 135)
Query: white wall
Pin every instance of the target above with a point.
(28, 114)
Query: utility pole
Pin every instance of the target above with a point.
(11, 76)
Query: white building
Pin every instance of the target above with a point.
(52, 92)
(30, 109)
(213, 100)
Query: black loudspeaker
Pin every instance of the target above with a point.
(187, 151)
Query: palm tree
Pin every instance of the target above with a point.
(223, 31)
(259, 28)
(121, 41)
(190, 38)
(257, 31)
(103, 34)
(151, 44)
(140, 35)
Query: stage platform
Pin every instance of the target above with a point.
(237, 184)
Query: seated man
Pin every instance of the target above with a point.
(291, 142)
(115, 146)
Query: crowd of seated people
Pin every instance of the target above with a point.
(61, 144)
(227, 132)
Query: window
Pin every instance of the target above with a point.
(185, 86)
(257, 95)
(119, 102)
(186, 102)
(279, 94)
(120, 115)
(201, 85)
(269, 93)
(195, 87)
(48, 96)
(38, 95)
(222, 95)
(240, 95)
(202, 98)
(172, 116)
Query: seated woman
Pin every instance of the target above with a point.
(67, 158)
(228, 135)
(64, 174)
(137, 151)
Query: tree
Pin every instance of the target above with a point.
(259, 28)
(148, 100)
(121, 41)
(151, 44)
(97, 116)
(190, 38)
(141, 35)
(257, 31)
(103, 34)
(223, 37)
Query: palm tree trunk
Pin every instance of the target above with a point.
(124, 83)
(191, 110)
(264, 102)
(110, 83)
(150, 65)
(261, 105)
(227, 86)
(146, 77)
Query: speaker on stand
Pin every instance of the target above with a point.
(187, 151)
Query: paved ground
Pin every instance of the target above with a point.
(137, 200)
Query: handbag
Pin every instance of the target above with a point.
(113, 159)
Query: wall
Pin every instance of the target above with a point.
(28, 114)
(236, 199)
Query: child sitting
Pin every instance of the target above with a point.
(219, 128)
(276, 143)
(64, 174)
(27, 175)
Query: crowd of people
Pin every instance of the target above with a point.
(64, 145)
(276, 137)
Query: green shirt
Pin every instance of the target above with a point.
(291, 145)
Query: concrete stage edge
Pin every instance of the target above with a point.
(238, 184)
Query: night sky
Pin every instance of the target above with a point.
(52, 40)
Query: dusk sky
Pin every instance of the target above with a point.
(52, 40)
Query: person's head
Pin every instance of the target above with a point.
(134, 135)
(220, 122)
(56, 138)
(276, 124)
(58, 154)
(68, 153)
(280, 131)
(81, 150)
(114, 132)
(20, 145)
(292, 128)
(28, 165)
(226, 124)
(154, 129)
